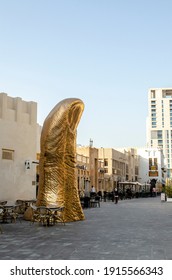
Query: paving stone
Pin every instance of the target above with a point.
(132, 229)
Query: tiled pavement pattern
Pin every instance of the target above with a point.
(131, 230)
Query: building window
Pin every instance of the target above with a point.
(153, 164)
(167, 93)
(136, 170)
(153, 115)
(153, 124)
(127, 168)
(8, 154)
(159, 134)
(152, 93)
(150, 163)
(156, 163)
(153, 119)
(106, 162)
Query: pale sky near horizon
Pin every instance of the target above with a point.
(106, 52)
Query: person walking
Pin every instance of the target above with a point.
(152, 186)
(93, 191)
(116, 195)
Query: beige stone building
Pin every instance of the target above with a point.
(132, 163)
(119, 165)
(83, 174)
(18, 147)
(94, 168)
(106, 166)
(114, 167)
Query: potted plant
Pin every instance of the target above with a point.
(168, 191)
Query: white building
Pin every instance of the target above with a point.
(159, 123)
(151, 163)
(18, 147)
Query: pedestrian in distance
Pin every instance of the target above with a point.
(116, 195)
(93, 191)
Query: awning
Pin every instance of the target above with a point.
(130, 183)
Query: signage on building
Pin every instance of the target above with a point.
(153, 173)
(153, 167)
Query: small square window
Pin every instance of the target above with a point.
(7, 154)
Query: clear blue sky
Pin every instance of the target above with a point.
(106, 52)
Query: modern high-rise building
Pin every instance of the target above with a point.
(159, 124)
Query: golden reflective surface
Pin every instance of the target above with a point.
(57, 165)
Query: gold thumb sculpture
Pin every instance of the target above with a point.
(57, 165)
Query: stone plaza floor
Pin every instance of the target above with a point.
(136, 229)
